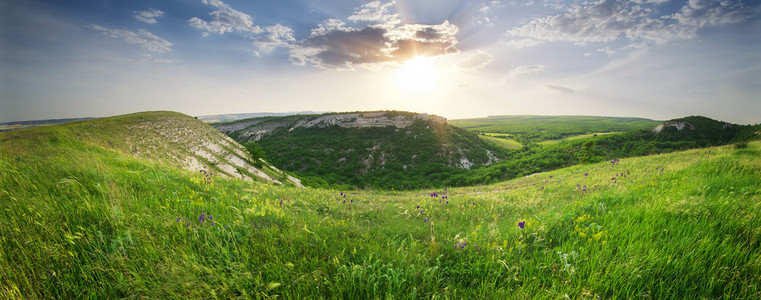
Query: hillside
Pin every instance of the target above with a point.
(532, 129)
(669, 136)
(386, 149)
(167, 138)
(84, 220)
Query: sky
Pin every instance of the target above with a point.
(656, 59)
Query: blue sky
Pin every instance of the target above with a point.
(657, 59)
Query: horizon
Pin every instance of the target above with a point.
(652, 59)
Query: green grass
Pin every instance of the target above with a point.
(575, 138)
(84, 221)
(505, 143)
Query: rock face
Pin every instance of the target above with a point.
(254, 129)
(679, 125)
(182, 141)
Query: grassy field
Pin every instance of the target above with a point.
(84, 221)
(575, 137)
(506, 143)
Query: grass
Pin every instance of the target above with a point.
(506, 143)
(575, 137)
(84, 221)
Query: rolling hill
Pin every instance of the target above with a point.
(168, 138)
(531, 129)
(384, 149)
(83, 218)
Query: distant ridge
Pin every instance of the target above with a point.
(234, 117)
(7, 126)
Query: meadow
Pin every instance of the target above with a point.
(81, 220)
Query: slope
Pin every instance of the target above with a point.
(529, 129)
(168, 138)
(385, 149)
(83, 221)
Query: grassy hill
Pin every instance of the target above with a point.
(532, 129)
(387, 149)
(82, 220)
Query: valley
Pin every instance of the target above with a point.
(88, 217)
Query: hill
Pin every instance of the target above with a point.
(84, 220)
(532, 129)
(673, 135)
(167, 138)
(385, 149)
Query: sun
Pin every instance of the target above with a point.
(418, 75)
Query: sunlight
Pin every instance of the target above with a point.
(417, 75)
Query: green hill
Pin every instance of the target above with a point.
(84, 220)
(532, 129)
(386, 149)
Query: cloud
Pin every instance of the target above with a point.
(526, 70)
(523, 43)
(702, 13)
(148, 16)
(275, 36)
(475, 61)
(560, 89)
(610, 20)
(149, 58)
(382, 40)
(225, 19)
(377, 12)
(142, 38)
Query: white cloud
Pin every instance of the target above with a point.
(142, 38)
(377, 12)
(475, 61)
(606, 50)
(225, 19)
(610, 20)
(151, 59)
(701, 13)
(275, 36)
(523, 43)
(526, 70)
(148, 16)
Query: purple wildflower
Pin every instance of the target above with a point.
(202, 217)
(585, 174)
(178, 219)
(418, 206)
(522, 224)
(281, 202)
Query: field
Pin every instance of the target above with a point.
(84, 221)
(500, 140)
(526, 129)
(575, 138)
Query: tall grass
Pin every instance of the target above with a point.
(83, 221)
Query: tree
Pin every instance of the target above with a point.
(256, 152)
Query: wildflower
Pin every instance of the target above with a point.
(281, 202)
(178, 219)
(418, 206)
(202, 217)
(522, 224)
(585, 174)
(212, 223)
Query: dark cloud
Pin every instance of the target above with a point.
(369, 47)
